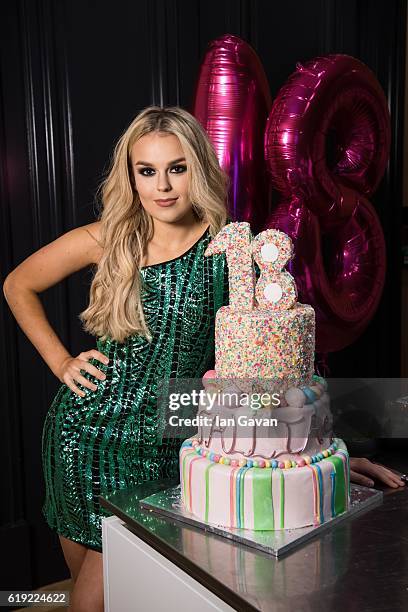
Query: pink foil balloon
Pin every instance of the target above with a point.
(327, 143)
(232, 101)
(327, 137)
(344, 285)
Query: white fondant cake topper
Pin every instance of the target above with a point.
(271, 249)
(273, 292)
(269, 252)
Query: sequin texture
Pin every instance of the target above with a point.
(110, 439)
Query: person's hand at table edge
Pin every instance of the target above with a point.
(365, 472)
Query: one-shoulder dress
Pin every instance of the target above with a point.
(108, 440)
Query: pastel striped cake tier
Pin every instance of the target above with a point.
(265, 498)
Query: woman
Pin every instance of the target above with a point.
(152, 306)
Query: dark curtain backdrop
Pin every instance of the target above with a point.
(73, 75)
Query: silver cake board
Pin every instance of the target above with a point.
(168, 503)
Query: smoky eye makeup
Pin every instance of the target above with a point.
(148, 171)
(181, 167)
(143, 171)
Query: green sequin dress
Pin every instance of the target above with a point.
(108, 440)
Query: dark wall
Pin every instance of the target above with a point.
(73, 75)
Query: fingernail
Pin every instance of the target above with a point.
(370, 483)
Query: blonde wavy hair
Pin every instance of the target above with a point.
(115, 308)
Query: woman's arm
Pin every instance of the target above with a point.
(43, 269)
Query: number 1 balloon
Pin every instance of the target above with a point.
(232, 101)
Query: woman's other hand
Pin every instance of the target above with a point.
(364, 472)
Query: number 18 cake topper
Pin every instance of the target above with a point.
(271, 249)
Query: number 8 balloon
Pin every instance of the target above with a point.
(326, 145)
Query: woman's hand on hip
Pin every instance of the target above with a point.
(70, 371)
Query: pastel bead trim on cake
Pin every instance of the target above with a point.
(260, 463)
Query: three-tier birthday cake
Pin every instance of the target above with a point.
(276, 466)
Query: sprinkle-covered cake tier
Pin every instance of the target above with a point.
(276, 466)
(276, 345)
